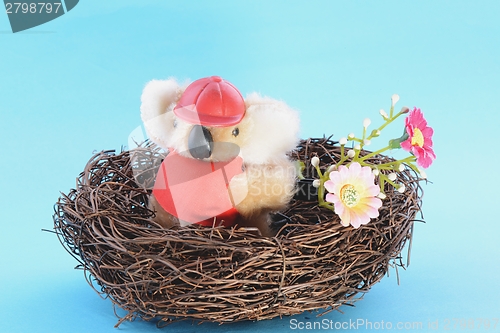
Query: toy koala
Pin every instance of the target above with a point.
(227, 162)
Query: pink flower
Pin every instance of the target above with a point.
(353, 193)
(419, 142)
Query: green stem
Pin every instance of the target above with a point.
(374, 153)
(390, 165)
(343, 156)
(382, 183)
(387, 122)
(384, 179)
(321, 192)
(392, 183)
(413, 166)
(356, 157)
(321, 188)
(326, 205)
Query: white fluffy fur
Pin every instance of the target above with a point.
(274, 129)
(158, 100)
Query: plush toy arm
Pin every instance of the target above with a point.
(157, 101)
(264, 187)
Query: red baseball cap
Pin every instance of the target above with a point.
(211, 101)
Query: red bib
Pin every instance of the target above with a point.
(197, 191)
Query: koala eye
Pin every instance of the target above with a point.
(236, 131)
(175, 123)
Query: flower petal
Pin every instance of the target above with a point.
(355, 169)
(372, 191)
(406, 145)
(416, 118)
(345, 218)
(369, 209)
(374, 202)
(359, 219)
(339, 207)
(330, 186)
(356, 221)
(366, 173)
(427, 132)
(330, 197)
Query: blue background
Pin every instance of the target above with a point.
(72, 86)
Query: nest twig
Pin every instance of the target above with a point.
(217, 274)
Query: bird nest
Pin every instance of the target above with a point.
(225, 274)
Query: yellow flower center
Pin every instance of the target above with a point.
(418, 138)
(349, 195)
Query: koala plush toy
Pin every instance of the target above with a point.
(227, 160)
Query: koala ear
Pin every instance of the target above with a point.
(157, 102)
(273, 127)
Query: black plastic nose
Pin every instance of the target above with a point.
(200, 142)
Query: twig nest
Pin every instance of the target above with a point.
(217, 274)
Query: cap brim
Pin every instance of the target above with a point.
(190, 115)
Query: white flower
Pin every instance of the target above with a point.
(343, 141)
(351, 153)
(401, 188)
(376, 172)
(351, 136)
(392, 176)
(366, 142)
(401, 167)
(366, 122)
(316, 183)
(394, 99)
(357, 147)
(315, 161)
(384, 114)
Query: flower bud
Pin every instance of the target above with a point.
(394, 99)
(401, 167)
(384, 114)
(366, 142)
(351, 153)
(351, 136)
(357, 147)
(366, 122)
(316, 183)
(315, 161)
(392, 176)
(343, 141)
(401, 188)
(331, 168)
(376, 172)
(375, 133)
(404, 109)
(381, 195)
(422, 173)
